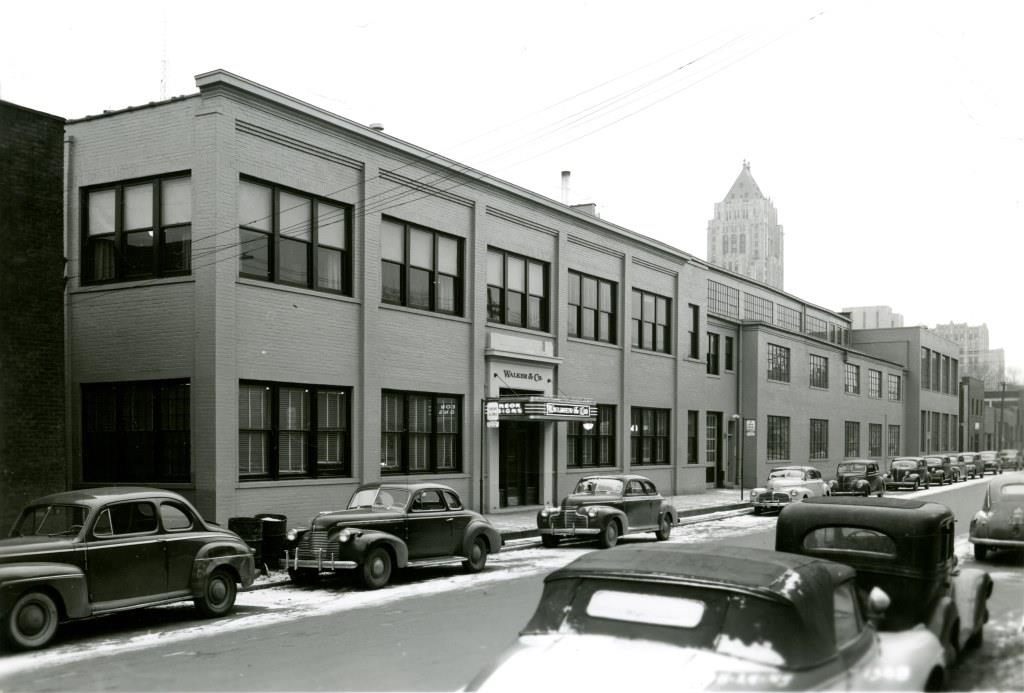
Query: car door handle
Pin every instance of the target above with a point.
(450, 519)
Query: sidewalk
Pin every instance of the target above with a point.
(518, 524)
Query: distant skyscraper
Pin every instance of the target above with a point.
(976, 359)
(873, 317)
(745, 236)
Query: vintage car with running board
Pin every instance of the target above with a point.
(905, 547)
(80, 554)
(606, 506)
(389, 526)
(786, 485)
(857, 478)
(908, 473)
(1000, 522)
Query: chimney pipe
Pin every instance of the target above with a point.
(565, 187)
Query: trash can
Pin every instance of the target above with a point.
(249, 530)
(275, 527)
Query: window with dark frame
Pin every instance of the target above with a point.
(874, 384)
(895, 388)
(894, 440)
(729, 354)
(290, 237)
(517, 290)
(874, 440)
(420, 433)
(819, 439)
(140, 229)
(136, 432)
(694, 331)
(592, 308)
(288, 431)
(778, 437)
(818, 371)
(778, 363)
(651, 324)
(852, 439)
(817, 327)
(594, 447)
(649, 436)
(420, 268)
(692, 436)
(758, 308)
(789, 318)
(713, 360)
(852, 380)
(926, 368)
(723, 299)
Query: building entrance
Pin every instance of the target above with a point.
(519, 463)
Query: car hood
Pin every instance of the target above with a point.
(355, 517)
(575, 500)
(576, 662)
(784, 483)
(14, 547)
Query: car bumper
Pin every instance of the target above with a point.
(901, 484)
(772, 504)
(847, 493)
(323, 561)
(998, 543)
(570, 531)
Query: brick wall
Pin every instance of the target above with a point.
(32, 452)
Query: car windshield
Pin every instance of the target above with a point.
(599, 486)
(50, 520)
(1014, 491)
(852, 469)
(786, 474)
(384, 498)
(904, 464)
(987, 455)
(729, 623)
(934, 462)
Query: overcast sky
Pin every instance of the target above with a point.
(888, 134)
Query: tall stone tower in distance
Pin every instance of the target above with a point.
(745, 236)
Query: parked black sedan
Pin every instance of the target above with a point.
(389, 526)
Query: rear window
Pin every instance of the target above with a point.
(1012, 491)
(858, 539)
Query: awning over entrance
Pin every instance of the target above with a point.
(537, 408)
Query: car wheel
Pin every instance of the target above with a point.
(376, 568)
(980, 551)
(664, 527)
(609, 535)
(757, 510)
(549, 541)
(881, 492)
(32, 622)
(303, 576)
(917, 485)
(218, 595)
(477, 556)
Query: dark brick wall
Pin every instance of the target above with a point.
(32, 455)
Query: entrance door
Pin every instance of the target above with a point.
(519, 463)
(713, 445)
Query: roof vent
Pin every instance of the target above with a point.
(379, 127)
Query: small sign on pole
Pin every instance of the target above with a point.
(750, 426)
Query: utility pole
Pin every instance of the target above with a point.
(1002, 408)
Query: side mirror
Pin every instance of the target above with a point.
(878, 604)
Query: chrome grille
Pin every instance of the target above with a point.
(312, 542)
(783, 497)
(568, 519)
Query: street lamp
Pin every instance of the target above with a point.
(739, 448)
(1002, 407)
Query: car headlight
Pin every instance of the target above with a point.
(592, 512)
(346, 534)
(545, 512)
(793, 493)
(292, 535)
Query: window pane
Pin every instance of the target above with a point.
(637, 305)
(177, 248)
(605, 290)
(448, 255)
(101, 212)
(138, 206)
(254, 206)
(330, 225)
(444, 299)
(515, 308)
(293, 423)
(604, 327)
(574, 289)
(293, 264)
(421, 249)
(662, 317)
(328, 269)
(330, 409)
(392, 241)
(294, 216)
(495, 268)
(516, 274)
(419, 288)
(138, 253)
(494, 310)
(588, 326)
(536, 279)
(255, 257)
(176, 201)
(589, 292)
(535, 319)
(391, 282)
(649, 312)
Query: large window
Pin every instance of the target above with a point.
(136, 432)
(895, 387)
(757, 308)
(723, 299)
(692, 433)
(651, 322)
(594, 447)
(926, 368)
(852, 385)
(778, 437)
(729, 357)
(137, 230)
(874, 384)
(420, 268)
(819, 371)
(713, 359)
(291, 431)
(874, 440)
(517, 290)
(816, 327)
(946, 385)
(852, 439)
(819, 439)
(778, 363)
(694, 331)
(936, 370)
(420, 433)
(894, 440)
(649, 436)
(293, 238)
(788, 317)
(592, 313)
